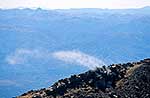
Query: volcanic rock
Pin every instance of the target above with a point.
(130, 80)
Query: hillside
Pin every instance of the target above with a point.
(130, 80)
(39, 47)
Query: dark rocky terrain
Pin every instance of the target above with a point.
(130, 80)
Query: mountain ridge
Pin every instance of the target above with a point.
(39, 8)
(113, 81)
(111, 37)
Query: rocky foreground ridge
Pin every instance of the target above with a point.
(130, 80)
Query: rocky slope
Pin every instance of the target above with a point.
(130, 80)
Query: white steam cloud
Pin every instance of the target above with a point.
(79, 58)
(22, 56)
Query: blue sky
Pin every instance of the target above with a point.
(65, 4)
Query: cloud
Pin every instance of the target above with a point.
(22, 56)
(9, 83)
(79, 58)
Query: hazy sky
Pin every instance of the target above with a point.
(63, 4)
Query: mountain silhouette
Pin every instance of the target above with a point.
(128, 80)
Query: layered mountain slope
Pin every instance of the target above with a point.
(130, 80)
(29, 37)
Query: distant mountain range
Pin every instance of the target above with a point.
(38, 47)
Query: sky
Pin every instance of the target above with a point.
(65, 4)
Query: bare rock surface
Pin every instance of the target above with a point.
(130, 80)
